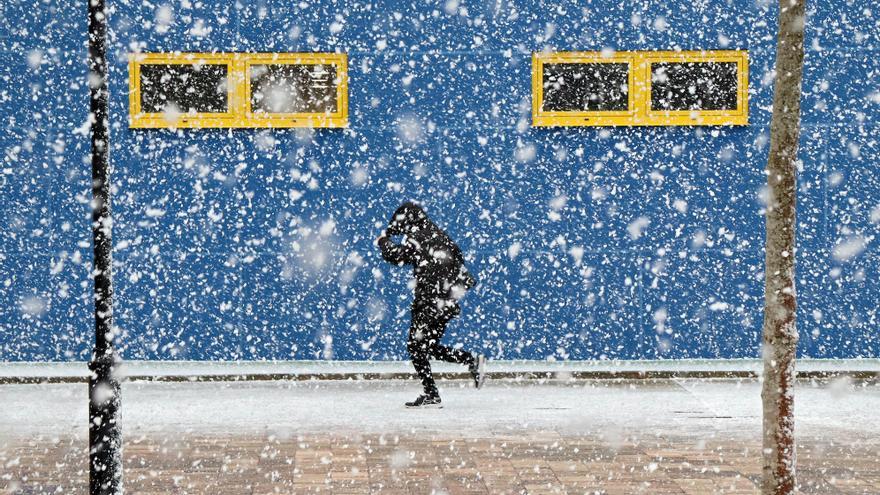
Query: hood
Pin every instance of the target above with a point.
(409, 217)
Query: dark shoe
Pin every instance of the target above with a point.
(425, 402)
(478, 370)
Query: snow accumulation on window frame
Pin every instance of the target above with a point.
(239, 113)
(640, 111)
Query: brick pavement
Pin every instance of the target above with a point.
(520, 462)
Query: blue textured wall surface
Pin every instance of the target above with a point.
(588, 243)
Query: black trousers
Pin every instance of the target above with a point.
(427, 328)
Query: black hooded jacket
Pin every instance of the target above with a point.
(438, 265)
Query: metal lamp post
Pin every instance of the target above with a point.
(105, 434)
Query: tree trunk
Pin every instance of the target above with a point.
(780, 332)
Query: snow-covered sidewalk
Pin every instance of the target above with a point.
(676, 436)
(688, 406)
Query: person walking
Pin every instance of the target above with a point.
(441, 280)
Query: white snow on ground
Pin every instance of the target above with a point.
(688, 407)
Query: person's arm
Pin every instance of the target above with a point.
(399, 254)
(464, 278)
(468, 280)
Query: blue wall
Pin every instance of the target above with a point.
(206, 221)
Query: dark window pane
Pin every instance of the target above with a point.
(293, 88)
(694, 86)
(183, 88)
(576, 87)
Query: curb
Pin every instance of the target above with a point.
(502, 375)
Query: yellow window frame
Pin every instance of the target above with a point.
(238, 114)
(303, 119)
(584, 118)
(639, 112)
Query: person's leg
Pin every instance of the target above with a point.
(451, 355)
(446, 353)
(475, 364)
(419, 345)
